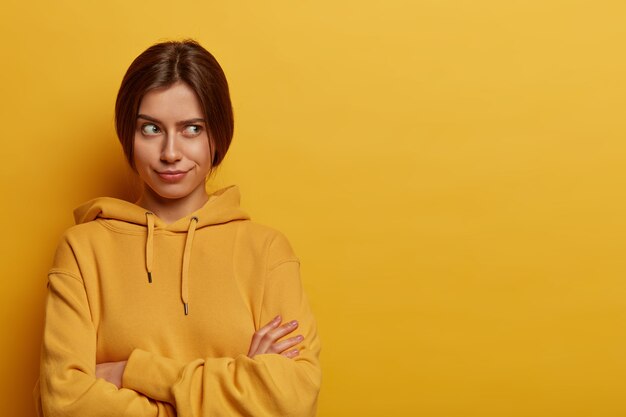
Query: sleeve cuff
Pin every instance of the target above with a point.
(152, 375)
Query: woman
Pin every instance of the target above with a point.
(176, 305)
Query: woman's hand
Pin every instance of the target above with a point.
(265, 339)
(112, 372)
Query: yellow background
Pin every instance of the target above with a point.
(451, 173)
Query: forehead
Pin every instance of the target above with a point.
(175, 102)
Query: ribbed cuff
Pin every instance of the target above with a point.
(152, 375)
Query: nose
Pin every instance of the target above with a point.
(171, 149)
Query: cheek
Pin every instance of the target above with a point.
(201, 152)
(141, 154)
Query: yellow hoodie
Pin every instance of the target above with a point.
(180, 302)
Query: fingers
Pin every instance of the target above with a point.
(273, 335)
(111, 372)
(265, 340)
(283, 345)
(259, 334)
(291, 354)
(100, 371)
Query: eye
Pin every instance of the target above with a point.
(192, 130)
(150, 129)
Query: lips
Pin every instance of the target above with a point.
(172, 176)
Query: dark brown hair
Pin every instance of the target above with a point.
(164, 64)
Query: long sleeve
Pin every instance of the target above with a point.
(68, 386)
(266, 385)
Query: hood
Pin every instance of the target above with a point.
(222, 207)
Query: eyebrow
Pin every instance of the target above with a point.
(182, 122)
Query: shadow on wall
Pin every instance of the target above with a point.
(98, 169)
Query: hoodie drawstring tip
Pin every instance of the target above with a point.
(149, 277)
(186, 309)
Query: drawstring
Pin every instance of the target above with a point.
(186, 258)
(184, 279)
(149, 244)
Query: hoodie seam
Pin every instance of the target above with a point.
(57, 271)
(265, 280)
(264, 287)
(269, 269)
(237, 278)
(279, 263)
(105, 223)
(81, 281)
(291, 258)
(267, 255)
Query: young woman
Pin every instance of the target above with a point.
(177, 305)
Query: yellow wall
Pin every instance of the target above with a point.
(451, 173)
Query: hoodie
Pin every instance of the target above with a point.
(180, 302)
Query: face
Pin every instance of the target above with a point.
(172, 153)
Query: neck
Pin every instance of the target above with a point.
(169, 210)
